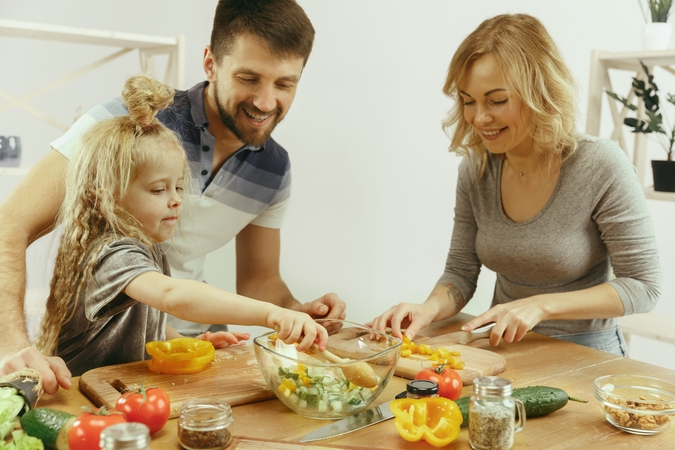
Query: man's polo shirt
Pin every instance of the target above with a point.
(252, 186)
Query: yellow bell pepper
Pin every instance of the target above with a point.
(435, 419)
(180, 356)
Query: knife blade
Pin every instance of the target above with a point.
(467, 337)
(364, 419)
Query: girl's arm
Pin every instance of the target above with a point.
(202, 303)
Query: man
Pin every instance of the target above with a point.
(241, 176)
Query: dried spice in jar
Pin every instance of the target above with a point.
(492, 413)
(202, 425)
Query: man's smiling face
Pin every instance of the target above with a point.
(253, 89)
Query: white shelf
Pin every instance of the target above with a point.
(148, 47)
(651, 194)
(17, 28)
(601, 63)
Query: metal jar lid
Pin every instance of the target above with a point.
(127, 435)
(422, 387)
(492, 387)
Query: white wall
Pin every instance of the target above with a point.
(373, 192)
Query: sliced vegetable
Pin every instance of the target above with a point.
(434, 419)
(440, 355)
(49, 425)
(180, 356)
(538, 401)
(21, 441)
(323, 390)
(11, 404)
(149, 406)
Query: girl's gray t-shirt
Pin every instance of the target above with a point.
(108, 326)
(596, 224)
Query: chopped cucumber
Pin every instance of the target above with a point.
(327, 391)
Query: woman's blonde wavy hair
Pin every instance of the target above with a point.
(107, 159)
(531, 62)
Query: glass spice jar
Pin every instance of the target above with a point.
(202, 425)
(125, 436)
(421, 389)
(492, 414)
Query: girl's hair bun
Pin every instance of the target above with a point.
(144, 96)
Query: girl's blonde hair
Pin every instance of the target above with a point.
(107, 159)
(531, 62)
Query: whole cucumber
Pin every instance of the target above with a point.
(538, 401)
(49, 425)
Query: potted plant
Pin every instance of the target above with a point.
(663, 171)
(657, 31)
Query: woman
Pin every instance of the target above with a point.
(553, 212)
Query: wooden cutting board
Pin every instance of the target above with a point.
(478, 362)
(233, 377)
(245, 443)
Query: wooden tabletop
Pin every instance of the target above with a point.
(536, 360)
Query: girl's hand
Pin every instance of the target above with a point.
(293, 326)
(512, 320)
(224, 339)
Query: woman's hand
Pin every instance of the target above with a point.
(512, 320)
(413, 317)
(444, 301)
(294, 326)
(224, 339)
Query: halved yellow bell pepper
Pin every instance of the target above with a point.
(180, 356)
(435, 419)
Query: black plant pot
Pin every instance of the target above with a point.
(664, 175)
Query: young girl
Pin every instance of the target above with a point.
(111, 287)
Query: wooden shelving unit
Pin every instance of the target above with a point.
(148, 47)
(601, 64)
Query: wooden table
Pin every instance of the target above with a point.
(536, 360)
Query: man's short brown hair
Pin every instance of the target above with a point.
(280, 24)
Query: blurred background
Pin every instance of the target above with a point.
(373, 183)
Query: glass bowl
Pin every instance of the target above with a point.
(312, 386)
(636, 404)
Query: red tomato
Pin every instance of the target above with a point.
(449, 382)
(85, 434)
(149, 406)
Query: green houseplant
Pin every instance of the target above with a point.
(659, 10)
(653, 123)
(657, 30)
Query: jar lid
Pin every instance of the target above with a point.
(204, 413)
(422, 387)
(492, 387)
(131, 435)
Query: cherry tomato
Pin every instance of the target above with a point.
(85, 434)
(149, 406)
(449, 382)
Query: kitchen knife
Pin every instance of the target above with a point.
(467, 337)
(363, 419)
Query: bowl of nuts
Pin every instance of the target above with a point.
(636, 404)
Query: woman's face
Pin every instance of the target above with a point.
(496, 113)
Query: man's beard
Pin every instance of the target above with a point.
(254, 138)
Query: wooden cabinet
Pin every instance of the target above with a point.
(601, 64)
(148, 47)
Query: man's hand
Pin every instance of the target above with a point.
(327, 307)
(52, 368)
(224, 339)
